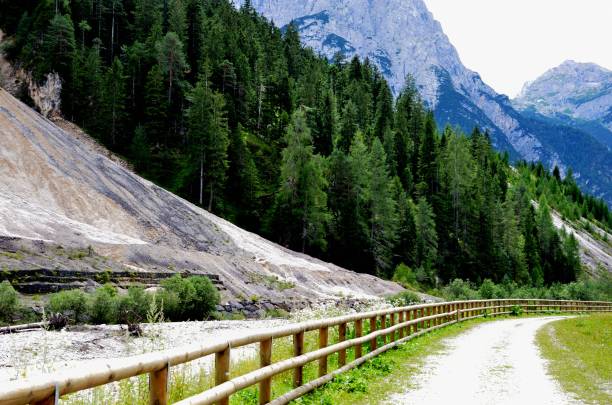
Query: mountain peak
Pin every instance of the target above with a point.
(579, 90)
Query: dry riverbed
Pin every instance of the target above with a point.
(29, 354)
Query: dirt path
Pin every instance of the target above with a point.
(494, 363)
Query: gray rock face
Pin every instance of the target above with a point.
(578, 90)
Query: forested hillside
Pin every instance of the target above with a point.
(224, 109)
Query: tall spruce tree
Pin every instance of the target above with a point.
(302, 187)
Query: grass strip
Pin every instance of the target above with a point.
(579, 351)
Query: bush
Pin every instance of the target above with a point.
(70, 303)
(489, 290)
(133, 307)
(404, 276)
(460, 290)
(404, 298)
(103, 305)
(9, 302)
(188, 298)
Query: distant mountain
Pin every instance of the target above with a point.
(402, 37)
(576, 94)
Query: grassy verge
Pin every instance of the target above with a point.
(579, 352)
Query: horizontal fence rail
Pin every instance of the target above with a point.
(389, 328)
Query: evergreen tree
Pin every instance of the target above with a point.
(171, 59)
(114, 100)
(208, 133)
(383, 219)
(302, 192)
(426, 241)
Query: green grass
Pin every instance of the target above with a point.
(579, 351)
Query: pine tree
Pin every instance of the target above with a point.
(171, 59)
(427, 239)
(208, 134)
(177, 19)
(383, 219)
(60, 46)
(348, 126)
(458, 173)
(428, 160)
(302, 191)
(114, 99)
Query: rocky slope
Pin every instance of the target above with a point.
(576, 93)
(402, 37)
(58, 192)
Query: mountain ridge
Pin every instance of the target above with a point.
(403, 37)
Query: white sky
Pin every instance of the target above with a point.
(510, 42)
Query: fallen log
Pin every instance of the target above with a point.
(22, 328)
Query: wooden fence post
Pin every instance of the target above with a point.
(298, 350)
(47, 401)
(358, 334)
(459, 306)
(373, 343)
(392, 324)
(222, 370)
(400, 320)
(158, 387)
(323, 334)
(342, 338)
(265, 359)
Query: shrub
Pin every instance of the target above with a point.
(103, 305)
(460, 290)
(404, 275)
(189, 298)
(404, 298)
(489, 290)
(516, 311)
(72, 302)
(9, 303)
(133, 307)
(206, 297)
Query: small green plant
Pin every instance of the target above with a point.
(103, 277)
(405, 276)
(516, 310)
(9, 302)
(13, 255)
(103, 305)
(155, 312)
(70, 303)
(277, 313)
(404, 298)
(254, 298)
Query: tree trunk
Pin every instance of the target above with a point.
(210, 199)
(201, 177)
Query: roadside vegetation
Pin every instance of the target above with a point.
(579, 352)
(179, 299)
(584, 289)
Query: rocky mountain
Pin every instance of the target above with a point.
(67, 210)
(577, 94)
(402, 38)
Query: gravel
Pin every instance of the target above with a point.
(494, 363)
(30, 354)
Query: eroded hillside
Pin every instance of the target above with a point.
(57, 190)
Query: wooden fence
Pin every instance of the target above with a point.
(389, 328)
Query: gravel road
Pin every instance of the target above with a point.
(494, 363)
